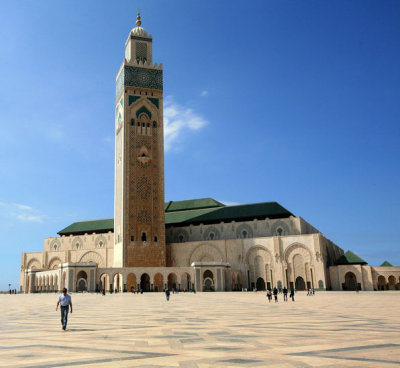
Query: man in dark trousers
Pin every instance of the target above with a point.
(65, 301)
(276, 294)
(292, 293)
(285, 294)
(167, 294)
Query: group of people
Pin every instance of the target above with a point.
(310, 291)
(284, 291)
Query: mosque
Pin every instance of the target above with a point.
(198, 244)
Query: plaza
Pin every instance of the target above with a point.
(329, 329)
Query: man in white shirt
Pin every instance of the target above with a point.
(65, 301)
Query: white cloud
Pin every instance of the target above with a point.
(20, 212)
(179, 120)
(23, 207)
(29, 218)
(203, 93)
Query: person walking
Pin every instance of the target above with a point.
(285, 294)
(276, 295)
(167, 293)
(65, 301)
(269, 295)
(291, 294)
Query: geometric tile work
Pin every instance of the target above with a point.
(330, 329)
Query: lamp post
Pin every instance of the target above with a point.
(9, 288)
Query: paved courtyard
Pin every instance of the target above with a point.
(332, 329)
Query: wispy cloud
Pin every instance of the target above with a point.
(203, 93)
(20, 212)
(179, 120)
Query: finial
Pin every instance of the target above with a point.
(138, 22)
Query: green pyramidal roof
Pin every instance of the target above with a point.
(194, 211)
(386, 264)
(350, 258)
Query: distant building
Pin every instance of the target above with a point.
(195, 244)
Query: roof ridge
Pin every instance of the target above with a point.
(252, 204)
(108, 218)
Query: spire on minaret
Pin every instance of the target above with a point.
(138, 21)
(138, 30)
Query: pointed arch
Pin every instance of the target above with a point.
(206, 251)
(53, 263)
(33, 264)
(93, 257)
(297, 248)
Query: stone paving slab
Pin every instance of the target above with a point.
(329, 329)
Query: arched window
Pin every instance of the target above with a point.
(279, 231)
(144, 237)
(244, 234)
(211, 236)
(180, 238)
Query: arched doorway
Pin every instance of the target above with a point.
(300, 284)
(186, 281)
(131, 284)
(104, 282)
(392, 282)
(260, 284)
(62, 286)
(158, 282)
(118, 283)
(208, 281)
(381, 282)
(81, 281)
(350, 281)
(145, 282)
(171, 281)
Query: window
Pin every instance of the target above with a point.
(154, 124)
(155, 239)
(144, 237)
(180, 238)
(211, 236)
(132, 238)
(100, 243)
(244, 234)
(279, 231)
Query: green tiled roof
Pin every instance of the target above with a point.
(195, 211)
(350, 258)
(192, 204)
(94, 226)
(386, 264)
(178, 217)
(236, 213)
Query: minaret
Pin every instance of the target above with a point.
(139, 224)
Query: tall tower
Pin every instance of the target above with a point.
(139, 224)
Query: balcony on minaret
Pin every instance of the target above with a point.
(138, 46)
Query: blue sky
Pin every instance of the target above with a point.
(287, 101)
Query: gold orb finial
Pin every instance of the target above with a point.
(138, 21)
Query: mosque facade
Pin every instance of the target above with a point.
(198, 244)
